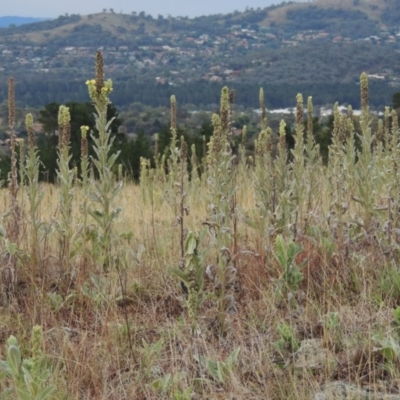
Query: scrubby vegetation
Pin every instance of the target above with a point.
(272, 276)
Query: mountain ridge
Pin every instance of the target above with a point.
(7, 20)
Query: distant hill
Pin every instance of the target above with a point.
(317, 47)
(8, 21)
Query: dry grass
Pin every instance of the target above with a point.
(86, 337)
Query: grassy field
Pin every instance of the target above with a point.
(267, 276)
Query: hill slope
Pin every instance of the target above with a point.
(319, 47)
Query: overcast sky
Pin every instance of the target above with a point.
(191, 8)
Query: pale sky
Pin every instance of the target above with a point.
(191, 8)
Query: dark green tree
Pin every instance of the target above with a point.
(396, 102)
(132, 152)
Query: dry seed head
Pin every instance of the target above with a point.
(299, 109)
(84, 142)
(11, 103)
(364, 91)
(173, 112)
(232, 95)
(224, 111)
(29, 129)
(263, 109)
(183, 151)
(99, 72)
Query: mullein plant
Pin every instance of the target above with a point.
(263, 179)
(366, 176)
(281, 190)
(9, 271)
(35, 195)
(183, 209)
(104, 189)
(298, 168)
(171, 192)
(394, 184)
(313, 162)
(85, 197)
(387, 135)
(221, 191)
(66, 179)
(337, 174)
(27, 378)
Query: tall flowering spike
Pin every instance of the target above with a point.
(395, 123)
(29, 129)
(13, 228)
(84, 141)
(299, 109)
(350, 119)
(268, 142)
(183, 154)
(379, 133)
(342, 128)
(232, 95)
(350, 113)
(156, 140)
(173, 112)
(99, 72)
(11, 103)
(310, 116)
(63, 126)
(336, 120)
(263, 109)
(282, 134)
(224, 111)
(216, 138)
(244, 135)
(98, 88)
(21, 145)
(387, 118)
(261, 144)
(364, 91)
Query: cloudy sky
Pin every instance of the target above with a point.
(54, 8)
